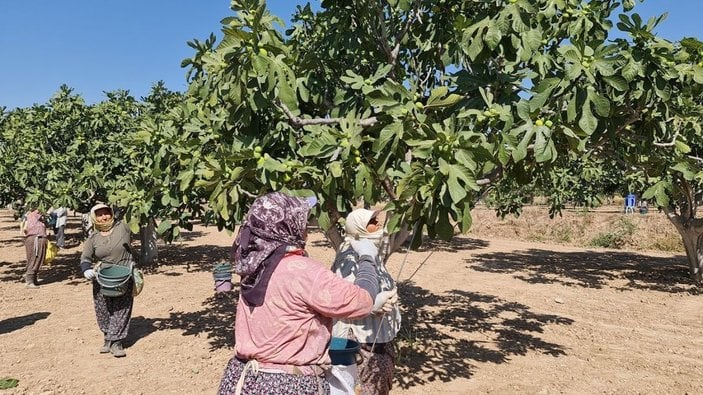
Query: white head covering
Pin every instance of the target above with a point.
(101, 226)
(355, 226)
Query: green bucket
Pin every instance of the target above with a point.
(114, 279)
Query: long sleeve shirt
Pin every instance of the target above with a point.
(109, 248)
(293, 326)
(33, 225)
(373, 328)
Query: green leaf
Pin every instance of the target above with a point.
(685, 169)
(437, 93)
(520, 152)
(492, 36)
(445, 102)
(186, 177)
(8, 383)
(457, 191)
(658, 191)
(588, 123)
(377, 98)
(682, 147)
(617, 82)
(164, 226)
(601, 104)
(544, 146)
(336, 169)
(698, 75)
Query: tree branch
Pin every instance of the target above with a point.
(298, 122)
(669, 144)
(635, 115)
(406, 28)
(380, 19)
(332, 233)
(491, 177)
(386, 183)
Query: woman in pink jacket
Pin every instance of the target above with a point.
(287, 302)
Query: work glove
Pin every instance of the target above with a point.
(365, 247)
(89, 274)
(384, 301)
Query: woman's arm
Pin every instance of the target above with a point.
(334, 297)
(87, 256)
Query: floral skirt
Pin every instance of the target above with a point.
(266, 383)
(376, 369)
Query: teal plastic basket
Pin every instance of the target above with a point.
(343, 351)
(114, 279)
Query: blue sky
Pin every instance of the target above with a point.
(96, 46)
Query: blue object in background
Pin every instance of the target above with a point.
(630, 202)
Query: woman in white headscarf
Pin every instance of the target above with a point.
(375, 332)
(109, 242)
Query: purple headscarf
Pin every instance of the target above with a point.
(275, 221)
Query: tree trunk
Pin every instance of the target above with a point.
(149, 251)
(692, 237)
(334, 237)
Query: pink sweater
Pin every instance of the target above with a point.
(33, 225)
(293, 326)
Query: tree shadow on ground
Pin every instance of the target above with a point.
(594, 269)
(200, 258)
(12, 324)
(189, 236)
(457, 244)
(15, 240)
(433, 343)
(215, 321)
(64, 267)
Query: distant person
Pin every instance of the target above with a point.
(287, 302)
(644, 208)
(61, 215)
(35, 241)
(109, 243)
(375, 332)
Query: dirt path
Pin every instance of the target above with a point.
(480, 316)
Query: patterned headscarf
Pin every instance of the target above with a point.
(101, 226)
(274, 222)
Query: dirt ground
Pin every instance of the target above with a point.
(480, 315)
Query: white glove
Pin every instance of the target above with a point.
(364, 247)
(89, 274)
(384, 301)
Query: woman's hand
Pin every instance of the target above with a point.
(89, 274)
(384, 301)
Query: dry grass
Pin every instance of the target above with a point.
(603, 227)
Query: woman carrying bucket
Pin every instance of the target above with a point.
(377, 331)
(109, 245)
(287, 302)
